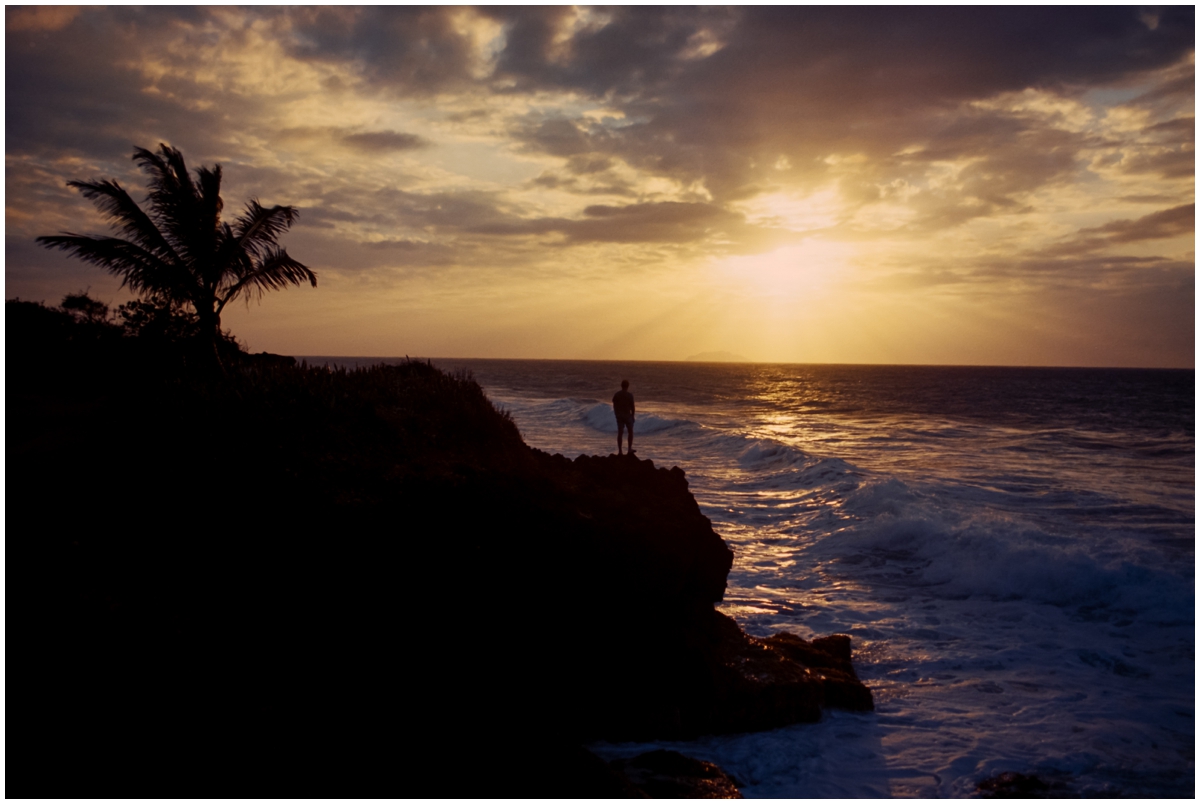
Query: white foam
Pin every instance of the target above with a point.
(957, 553)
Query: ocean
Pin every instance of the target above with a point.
(1012, 551)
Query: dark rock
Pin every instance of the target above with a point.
(1014, 785)
(828, 658)
(561, 771)
(669, 774)
(650, 657)
(766, 683)
(268, 359)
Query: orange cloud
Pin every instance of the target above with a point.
(39, 18)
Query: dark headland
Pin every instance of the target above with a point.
(290, 581)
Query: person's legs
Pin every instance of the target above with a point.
(620, 429)
(630, 426)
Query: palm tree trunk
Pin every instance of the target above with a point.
(210, 335)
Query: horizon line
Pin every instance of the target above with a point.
(685, 361)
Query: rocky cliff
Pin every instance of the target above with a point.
(292, 581)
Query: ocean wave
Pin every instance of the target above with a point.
(762, 454)
(600, 417)
(904, 537)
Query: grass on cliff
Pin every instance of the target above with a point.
(98, 408)
(231, 573)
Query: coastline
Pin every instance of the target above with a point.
(298, 548)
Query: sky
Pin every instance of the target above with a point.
(921, 185)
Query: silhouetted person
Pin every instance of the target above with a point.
(623, 409)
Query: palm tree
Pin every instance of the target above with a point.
(180, 251)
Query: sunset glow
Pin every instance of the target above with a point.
(926, 185)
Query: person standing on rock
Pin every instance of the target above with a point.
(623, 409)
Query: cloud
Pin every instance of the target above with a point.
(376, 141)
(712, 96)
(808, 83)
(622, 52)
(334, 253)
(1162, 225)
(579, 138)
(656, 222)
(365, 142)
(405, 50)
(1167, 223)
(584, 165)
(39, 18)
(116, 78)
(598, 184)
(1169, 163)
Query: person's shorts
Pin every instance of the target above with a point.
(626, 420)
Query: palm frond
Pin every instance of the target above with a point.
(275, 272)
(140, 269)
(209, 197)
(169, 179)
(208, 233)
(126, 216)
(258, 229)
(174, 199)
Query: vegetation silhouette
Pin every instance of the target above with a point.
(291, 577)
(84, 306)
(181, 254)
